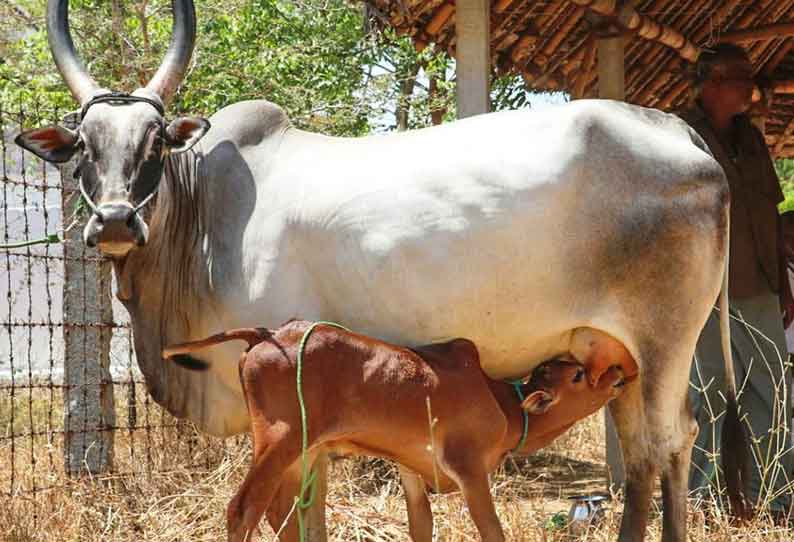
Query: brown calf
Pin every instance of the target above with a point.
(367, 397)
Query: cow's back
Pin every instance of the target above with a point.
(509, 229)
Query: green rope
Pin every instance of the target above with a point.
(307, 479)
(50, 239)
(525, 432)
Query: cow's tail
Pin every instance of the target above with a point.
(180, 353)
(734, 445)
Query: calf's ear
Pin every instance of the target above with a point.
(538, 402)
(52, 143)
(184, 132)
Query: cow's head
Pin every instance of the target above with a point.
(124, 138)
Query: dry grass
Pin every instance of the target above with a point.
(365, 502)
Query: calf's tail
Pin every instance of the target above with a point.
(734, 445)
(179, 353)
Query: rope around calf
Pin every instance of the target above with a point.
(307, 479)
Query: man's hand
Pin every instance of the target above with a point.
(786, 302)
(788, 312)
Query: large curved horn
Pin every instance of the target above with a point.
(177, 58)
(77, 78)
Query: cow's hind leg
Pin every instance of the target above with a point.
(656, 433)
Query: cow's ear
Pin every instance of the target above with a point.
(51, 143)
(184, 132)
(538, 402)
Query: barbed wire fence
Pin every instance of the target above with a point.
(72, 400)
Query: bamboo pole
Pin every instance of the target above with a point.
(674, 93)
(440, 18)
(562, 33)
(520, 48)
(767, 32)
(783, 86)
(645, 27)
(654, 57)
(584, 72)
(777, 58)
(502, 5)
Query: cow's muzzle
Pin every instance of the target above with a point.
(115, 228)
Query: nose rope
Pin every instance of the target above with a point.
(87, 198)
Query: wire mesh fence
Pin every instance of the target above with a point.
(69, 384)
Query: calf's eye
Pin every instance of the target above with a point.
(578, 376)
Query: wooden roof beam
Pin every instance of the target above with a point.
(645, 27)
(778, 57)
(440, 18)
(767, 32)
(783, 86)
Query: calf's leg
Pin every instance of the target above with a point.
(282, 514)
(420, 516)
(314, 516)
(464, 465)
(274, 452)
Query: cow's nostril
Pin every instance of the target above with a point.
(131, 221)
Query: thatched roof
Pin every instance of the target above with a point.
(551, 44)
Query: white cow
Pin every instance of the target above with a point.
(522, 231)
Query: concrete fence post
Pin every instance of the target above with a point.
(89, 415)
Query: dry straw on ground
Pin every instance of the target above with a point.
(365, 502)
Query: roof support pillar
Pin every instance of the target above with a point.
(473, 59)
(611, 85)
(611, 71)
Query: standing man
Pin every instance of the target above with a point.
(758, 286)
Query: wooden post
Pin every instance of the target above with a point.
(473, 56)
(611, 85)
(89, 414)
(611, 72)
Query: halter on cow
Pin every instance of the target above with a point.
(534, 234)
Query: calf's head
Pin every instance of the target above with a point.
(123, 139)
(560, 390)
